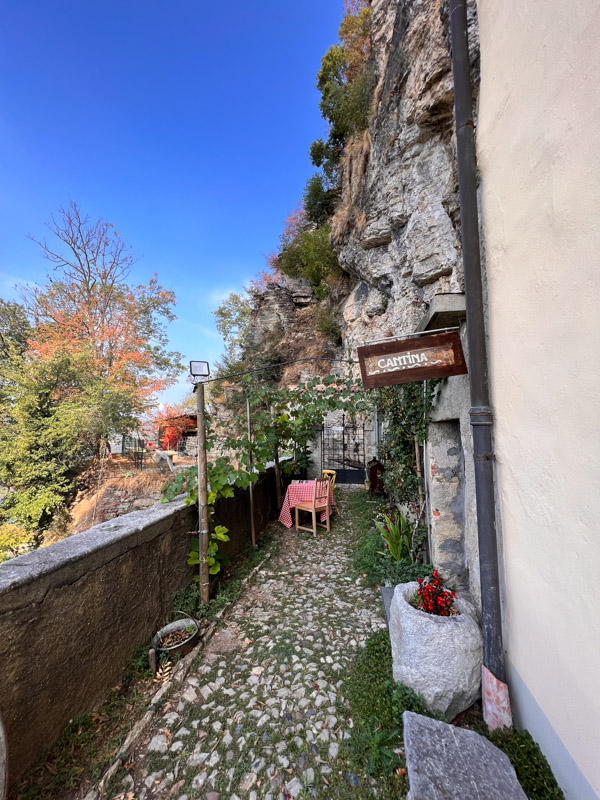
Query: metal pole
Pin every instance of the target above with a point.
(251, 487)
(277, 468)
(343, 443)
(202, 495)
(481, 413)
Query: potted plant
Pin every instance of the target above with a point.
(437, 648)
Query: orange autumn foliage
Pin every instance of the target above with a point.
(88, 306)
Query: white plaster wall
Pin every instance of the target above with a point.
(539, 155)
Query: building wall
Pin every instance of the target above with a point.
(450, 480)
(538, 135)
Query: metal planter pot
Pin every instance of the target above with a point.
(181, 648)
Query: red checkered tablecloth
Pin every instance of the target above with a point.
(299, 493)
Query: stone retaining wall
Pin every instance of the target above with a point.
(71, 614)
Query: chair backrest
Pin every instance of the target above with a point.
(330, 473)
(321, 489)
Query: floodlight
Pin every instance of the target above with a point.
(199, 369)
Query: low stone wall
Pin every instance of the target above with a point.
(71, 614)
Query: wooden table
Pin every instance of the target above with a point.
(300, 493)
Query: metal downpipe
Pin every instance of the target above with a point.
(480, 414)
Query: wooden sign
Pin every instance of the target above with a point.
(418, 358)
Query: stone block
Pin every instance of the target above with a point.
(438, 657)
(449, 763)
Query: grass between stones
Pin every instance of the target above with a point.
(377, 568)
(270, 716)
(377, 702)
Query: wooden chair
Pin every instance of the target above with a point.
(331, 473)
(319, 502)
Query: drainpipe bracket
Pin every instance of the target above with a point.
(481, 415)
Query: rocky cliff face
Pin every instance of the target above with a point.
(284, 327)
(397, 228)
(397, 236)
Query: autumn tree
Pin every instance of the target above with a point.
(81, 359)
(88, 303)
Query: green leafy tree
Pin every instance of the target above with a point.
(346, 82)
(320, 198)
(15, 329)
(233, 321)
(83, 357)
(56, 412)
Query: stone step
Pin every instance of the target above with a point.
(449, 763)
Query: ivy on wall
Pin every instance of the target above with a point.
(406, 409)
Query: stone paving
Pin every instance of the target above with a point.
(262, 713)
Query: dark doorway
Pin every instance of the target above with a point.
(343, 449)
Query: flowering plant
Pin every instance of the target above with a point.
(432, 597)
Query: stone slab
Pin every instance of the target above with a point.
(387, 593)
(449, 763)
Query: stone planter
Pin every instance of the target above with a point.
(438, 657)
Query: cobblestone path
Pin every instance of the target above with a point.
(262, 712)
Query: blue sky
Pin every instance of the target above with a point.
(184, 123)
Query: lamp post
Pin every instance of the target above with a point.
(200, 371)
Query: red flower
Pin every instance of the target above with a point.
(433, 597)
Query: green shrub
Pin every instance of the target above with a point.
(396, 533)
(405, 699)
(346, 105)
(327, 325)
(379, 568)
(310, 255)
(377, 704)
